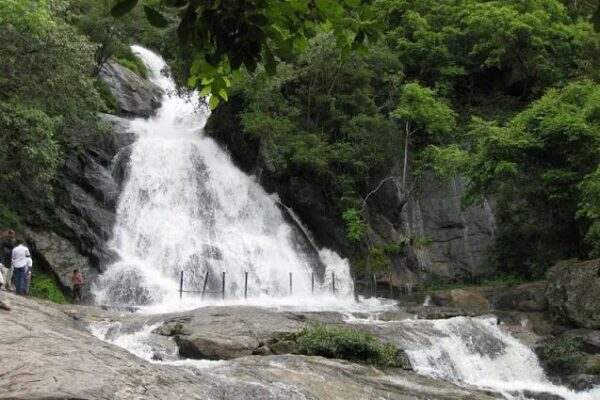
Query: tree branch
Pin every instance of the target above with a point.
(372, 192)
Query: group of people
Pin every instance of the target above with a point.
(15, 269)
(15, 266)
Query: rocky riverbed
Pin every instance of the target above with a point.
(48, 352)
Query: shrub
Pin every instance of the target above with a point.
(129, 59)
(348, 344)
(562, 354)
(109, 100)
(45, 287)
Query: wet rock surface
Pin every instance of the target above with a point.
(573, 292)
(135, 95)
(48, 354)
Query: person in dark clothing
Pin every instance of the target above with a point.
(77, 281)
(8, 243)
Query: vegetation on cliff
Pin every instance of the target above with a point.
(351, 97)
(502, 93)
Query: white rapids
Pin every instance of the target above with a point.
(186, 207)
(473, 351)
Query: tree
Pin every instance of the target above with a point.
(474, 50)
(227, 35)
(420, 112)
(48, 100)
(540, 168)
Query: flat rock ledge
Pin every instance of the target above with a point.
(48, 353)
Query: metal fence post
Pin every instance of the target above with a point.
(290, 283)
(181, 286)
(333, 282)
(246, 285)
(223, 285)
(205, 282)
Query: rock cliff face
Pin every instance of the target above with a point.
(89, 185)
(447, 240)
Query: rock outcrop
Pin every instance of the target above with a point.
(47, 354)
(57, 254)
(573, 292)
(135, 95)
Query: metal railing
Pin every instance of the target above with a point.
(222, 291)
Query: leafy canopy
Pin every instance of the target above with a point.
(224, 35)
(541, 167)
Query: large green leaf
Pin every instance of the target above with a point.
(155, 18)
(122, 8)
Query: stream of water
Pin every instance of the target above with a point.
(186, 207)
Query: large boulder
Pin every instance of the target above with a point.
(573, 292)
(135, 95)
(225, 333)
(216, 347)
(57, 254)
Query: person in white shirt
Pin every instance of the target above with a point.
(20, 262)
(3, 300)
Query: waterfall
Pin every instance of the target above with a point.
(186, 207)
(476, 352)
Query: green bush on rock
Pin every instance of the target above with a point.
(45, 287)
(562, 354)
(348, 344)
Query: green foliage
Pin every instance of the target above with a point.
(347, 344)
(471, 47)
(325, 120)
(135, 64)
(45, 287)
(8, 216)
(419, 110)
(540, 167)
(29, 150)
(176, 330)
(249, 33)
(420, 241)
(437, 282)
(48, 99)
(355, 225)
(114, 36)
(109, 100)
(589, 210)
(378, 258)
(562, 354)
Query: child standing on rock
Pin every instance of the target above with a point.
(77, 281)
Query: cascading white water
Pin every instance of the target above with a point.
(185, 206)
(476, 352)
